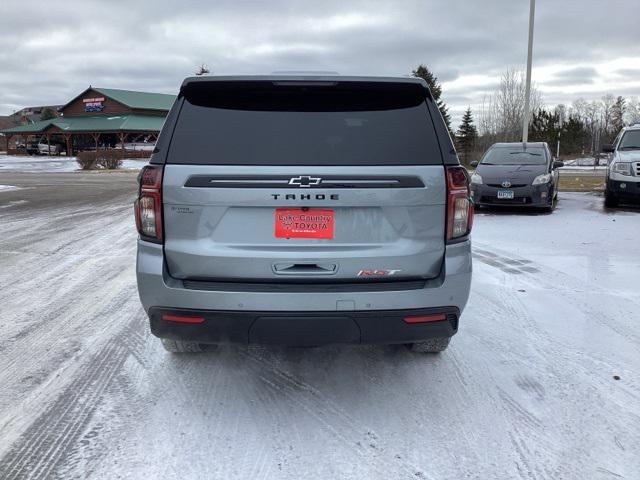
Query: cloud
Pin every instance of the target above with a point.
(51, 51)
(575, 76)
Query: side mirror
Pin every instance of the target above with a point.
(607, 148)
(557, 164)
(474, 164)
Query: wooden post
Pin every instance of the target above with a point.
(67, 141)
(96, 137)
(122, 137)
(8, 137)
(48, 145)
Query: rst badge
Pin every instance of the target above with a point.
(378, 272)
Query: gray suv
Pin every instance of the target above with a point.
(623, 169)
(302, 210)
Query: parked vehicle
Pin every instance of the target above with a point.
(623, 170)
(304, 211)
(136, 146)
(30, 147)
(46, 149)
(516, 174)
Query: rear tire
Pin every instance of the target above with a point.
(178, 346)
(433, 345)
(610, 200)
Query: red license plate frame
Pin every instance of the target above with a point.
(304, 223)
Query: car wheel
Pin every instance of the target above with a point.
(433, 345)
(610, 200)
(550, 208)
(178, 346)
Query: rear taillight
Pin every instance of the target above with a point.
(148, 206)
(459, 206)
(433, 317)
(182, 318)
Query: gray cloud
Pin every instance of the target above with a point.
(576, 76)
(51, 51)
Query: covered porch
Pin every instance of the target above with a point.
(134, 135)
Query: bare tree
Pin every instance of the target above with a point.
(501, 113)
(607, 112)
(632, 112)
(202, 70)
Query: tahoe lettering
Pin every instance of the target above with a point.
(305, 196)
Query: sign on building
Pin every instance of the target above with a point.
(93, 104)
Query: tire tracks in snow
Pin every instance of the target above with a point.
(359, 439)
(52, 438)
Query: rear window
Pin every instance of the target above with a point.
(304, 124)
(515, 156)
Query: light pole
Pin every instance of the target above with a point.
(560, 121)
(527, 98)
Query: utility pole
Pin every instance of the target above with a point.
(560, 121)
(527, 99)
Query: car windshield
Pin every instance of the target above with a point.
(630, 140)
(514, 156)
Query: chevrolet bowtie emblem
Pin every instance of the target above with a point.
(305, 181)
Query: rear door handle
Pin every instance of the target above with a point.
(305, 268)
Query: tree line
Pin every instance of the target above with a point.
(581, 127)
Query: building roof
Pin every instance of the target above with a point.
(97, 123)
(133, 99)
(7, 121)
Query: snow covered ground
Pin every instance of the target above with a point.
(27, 163)
(541, 382)
(585, 162)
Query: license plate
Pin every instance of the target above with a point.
(303, 223)
(505, 194)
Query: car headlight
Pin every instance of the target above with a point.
(476, 179)
(623, 168)
(542, 179)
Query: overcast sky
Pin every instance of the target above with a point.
(50, 51)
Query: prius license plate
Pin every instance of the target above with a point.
(303, 223)
(505, 194)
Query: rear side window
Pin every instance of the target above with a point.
(267, 123)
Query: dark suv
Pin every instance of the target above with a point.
(304, 211)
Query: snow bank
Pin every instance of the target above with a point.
(46, 164)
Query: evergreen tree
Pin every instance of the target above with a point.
(48, 113)
(436, 90)
(574, 137)
(617, 115)
(466, 137)
(544, 127)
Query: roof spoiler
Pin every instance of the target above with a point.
(248, 81)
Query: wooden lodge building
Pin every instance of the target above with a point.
(98, 118)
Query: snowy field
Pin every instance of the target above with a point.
(541, 382)
(43, 163)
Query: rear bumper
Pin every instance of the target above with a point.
(304, 328)
(527, 196)
(158, 290)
